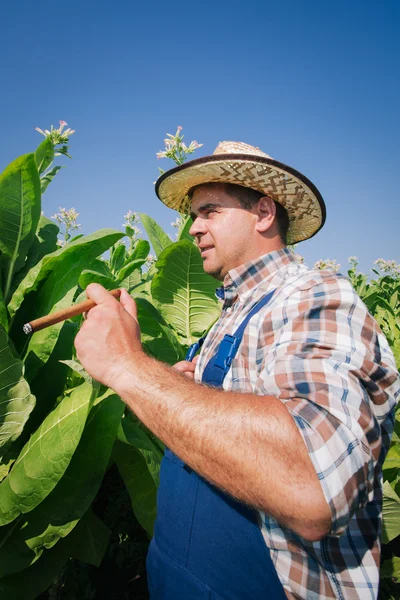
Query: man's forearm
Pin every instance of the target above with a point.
(247, 445)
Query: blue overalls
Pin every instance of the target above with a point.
(207, 545)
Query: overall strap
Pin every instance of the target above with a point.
(219, 365)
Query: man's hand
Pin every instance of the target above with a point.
(108, 343)
(186, 367)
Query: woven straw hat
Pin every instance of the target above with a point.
(248, 166)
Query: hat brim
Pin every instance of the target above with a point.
(298, 195)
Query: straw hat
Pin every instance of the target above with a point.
(245, 165)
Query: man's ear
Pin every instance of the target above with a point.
(266, 212)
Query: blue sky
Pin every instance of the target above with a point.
(315, 84)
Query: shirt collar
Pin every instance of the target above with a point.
(242, 279)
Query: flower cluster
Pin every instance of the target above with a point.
(150, 260)
(176, 149)
(327, 264)
(388, 267)
(66, 218)
(131, 226)
(58, 137)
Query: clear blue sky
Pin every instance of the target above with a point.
(315, 84)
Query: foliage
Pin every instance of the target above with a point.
(59, 432)
(381, 296)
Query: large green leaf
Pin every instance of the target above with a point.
(31, 582)
(87, 277)
(133, 432)
(391, 466)
(46, 456)
(60, 511)
(139, 483)
(391, 514)
(183, 233)
(49, 383)
(390, 568)
(3, 310)
(98, 265)
(141, 250)
(156, 336)
(44, 242)
(55, 267)
(19, 215)
(158, 238)
(16, 400)
(133, 280)
(52, 293)
(134, 265)
(41, 344)
(184, 293)
(87, 542)
(44, 155)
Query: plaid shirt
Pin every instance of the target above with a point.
(316, 347)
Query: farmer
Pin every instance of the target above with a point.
(271, 483)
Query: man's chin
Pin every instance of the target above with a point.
(213, 270)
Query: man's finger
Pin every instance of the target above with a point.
(98, 293)
(128, 303)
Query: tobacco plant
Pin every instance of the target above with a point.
(59, 430)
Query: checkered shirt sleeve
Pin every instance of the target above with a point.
(323, 355)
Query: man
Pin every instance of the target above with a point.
(271, 486)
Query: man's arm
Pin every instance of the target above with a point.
(248, 445)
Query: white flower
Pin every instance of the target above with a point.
(327, 264)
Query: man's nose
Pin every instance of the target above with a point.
(198, 227)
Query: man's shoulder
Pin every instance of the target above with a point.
(299, 280)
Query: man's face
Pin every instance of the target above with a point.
(224, 231)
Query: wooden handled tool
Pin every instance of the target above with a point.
(62, 315)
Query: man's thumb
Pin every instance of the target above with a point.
(128, 303)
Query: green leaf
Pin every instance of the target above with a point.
(391, 466)
(44, 242)
(45, 458)
(129, 268)
(19, 215)
(158, 238)
(41, 344)
(100, 266)
(133, 280)
(141, 250)
(48, 177)
(118, 258)
(16, 400)
(68, 260)
(390, 568)
(77, 367)
(183, 233)
(30, 583)
(184, 293)
(391, 514)
(139, 483)
(60, 511)
(87, 277)
(49, 383)
(133, 432)
(156, 335)
(89, 540)
(44, 155)
(3, 311)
